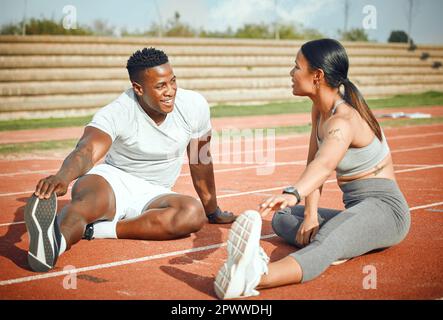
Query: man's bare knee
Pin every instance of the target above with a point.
(93, 198)
(189, 218)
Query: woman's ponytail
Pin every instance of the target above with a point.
(354, 98)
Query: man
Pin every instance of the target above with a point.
(144, 134)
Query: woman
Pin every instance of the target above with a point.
(347, 138)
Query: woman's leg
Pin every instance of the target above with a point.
(286, 223)
(369, 225)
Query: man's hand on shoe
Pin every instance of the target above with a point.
(45, 187)
(221, 217)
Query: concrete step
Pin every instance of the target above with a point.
(155, 41)
(232, 96)
(38, 88)
(120, 73)
(86, 49)
(8, 62)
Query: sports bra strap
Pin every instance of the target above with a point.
(336, 104)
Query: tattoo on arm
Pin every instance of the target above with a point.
(335, 134)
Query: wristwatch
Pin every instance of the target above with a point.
(292, 190)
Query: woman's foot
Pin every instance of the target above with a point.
(246, 263)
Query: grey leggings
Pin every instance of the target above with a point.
(376, 216)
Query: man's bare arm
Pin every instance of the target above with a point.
(202, 172)
(91, 147)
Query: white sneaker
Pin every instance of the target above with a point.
(338, 262)
(246, 262)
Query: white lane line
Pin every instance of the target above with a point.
(216, 155)
(274, 188)
(143, 259)
(247, 168)
(412, 165)
(302, 162)
(11, 223)
(271, 189)
(418, 148)
(118, 263)
(327, 181)
(420, 168)
(435, 204)
(409, 136)
(276, 164)
(12, 174)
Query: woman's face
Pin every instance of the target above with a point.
(302, 78)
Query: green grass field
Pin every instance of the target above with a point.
(400, 101)
(29, 147)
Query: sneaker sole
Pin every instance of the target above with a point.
(339, 262)
(244, 234)
(39, 218)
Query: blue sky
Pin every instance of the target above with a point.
(325, 15)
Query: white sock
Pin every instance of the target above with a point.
(62, 245)
(105, 230)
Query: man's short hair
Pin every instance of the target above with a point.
(144, 59)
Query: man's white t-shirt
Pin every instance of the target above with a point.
(144, 149)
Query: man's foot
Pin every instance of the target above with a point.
(44, 232)
(246, 263)
(221, 217)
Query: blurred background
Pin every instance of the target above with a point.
(285, 19)
(61, 59)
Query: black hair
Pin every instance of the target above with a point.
(330, 56)
(144, 59)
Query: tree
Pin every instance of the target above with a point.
(43, 26)
(398, 36)
(355, 34)
(11, 28)
(254, 31)
(228, 33)
(312, 34)
(289, 31)
(101, 28)
(176, 28)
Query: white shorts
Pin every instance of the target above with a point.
(132, 194)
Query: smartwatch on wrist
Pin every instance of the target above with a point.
(292, 190)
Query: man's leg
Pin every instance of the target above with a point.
(92, 199)
(167, 217)
(50, 235)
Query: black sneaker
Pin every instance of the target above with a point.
(89, 232)
(44, 232)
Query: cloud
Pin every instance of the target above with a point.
(235, 13)
(307, 12)
(193, 12)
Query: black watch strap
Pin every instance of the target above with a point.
(293, 191)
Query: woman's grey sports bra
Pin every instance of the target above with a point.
(358, 160)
